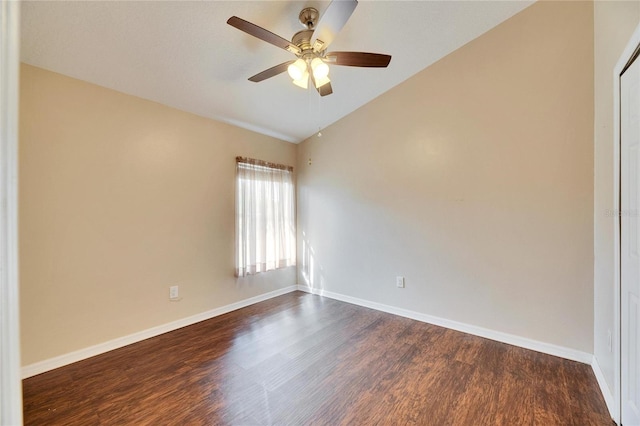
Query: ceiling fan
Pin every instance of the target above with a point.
(310, 47)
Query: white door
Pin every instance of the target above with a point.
(630, 243)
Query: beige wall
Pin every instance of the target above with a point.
(119, 199)
(614, 22)
(473, 179)
(480, 199)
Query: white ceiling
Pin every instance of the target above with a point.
(183, 54)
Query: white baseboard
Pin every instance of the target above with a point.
(604, 388)
(498, 336)
(79, 355)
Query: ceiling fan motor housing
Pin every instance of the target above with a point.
(302, 39)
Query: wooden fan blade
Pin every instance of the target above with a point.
(262, 34)
(273, 71)
(331, 22)
(358, 59)
(324, 90)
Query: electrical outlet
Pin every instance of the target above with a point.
(609, 341)
(173, 292)
(400, 282)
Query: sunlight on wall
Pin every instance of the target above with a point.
(312, 273)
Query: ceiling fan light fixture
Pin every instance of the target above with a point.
(297, 69)
(320, 69)
(302, 81)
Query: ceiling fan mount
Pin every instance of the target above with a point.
(310, 47)
(309, 17)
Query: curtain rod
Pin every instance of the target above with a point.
(262, 163)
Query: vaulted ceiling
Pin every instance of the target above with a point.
(184, 55)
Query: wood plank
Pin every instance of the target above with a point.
(302, 359)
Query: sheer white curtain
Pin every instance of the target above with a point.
(265, 217)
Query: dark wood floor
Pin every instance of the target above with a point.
(300, 359)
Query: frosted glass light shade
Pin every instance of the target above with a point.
(302, 81)
(320, 69)
(297, 69)
(321, 81)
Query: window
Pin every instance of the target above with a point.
(265, 217)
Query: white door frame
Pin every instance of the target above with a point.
(632, 45)
(10, 381)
